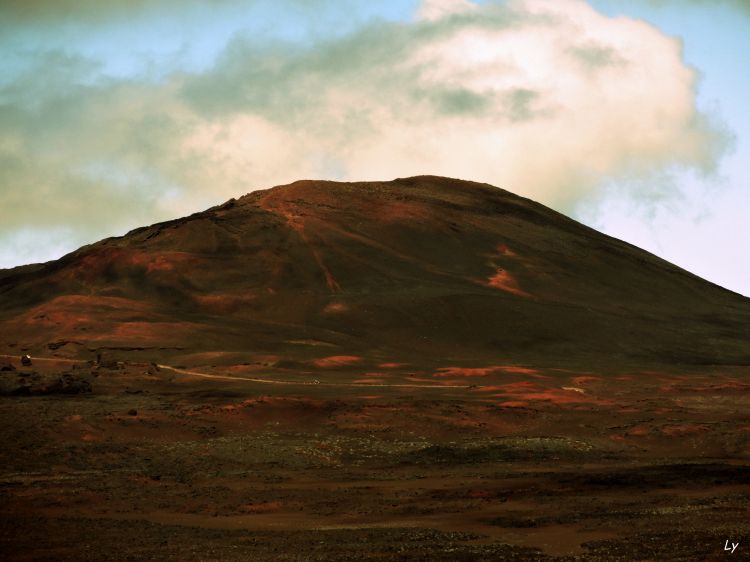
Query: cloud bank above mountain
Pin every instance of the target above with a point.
(551, 100)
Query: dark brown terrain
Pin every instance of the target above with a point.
(423, 369)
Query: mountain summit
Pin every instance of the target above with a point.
(424, 267)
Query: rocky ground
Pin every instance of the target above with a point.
(138, 462)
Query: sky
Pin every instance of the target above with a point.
(628, 116)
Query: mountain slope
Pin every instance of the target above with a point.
(424, 268)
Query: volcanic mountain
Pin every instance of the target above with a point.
(418, 269)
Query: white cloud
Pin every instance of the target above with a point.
(431, 10)
(548, 99)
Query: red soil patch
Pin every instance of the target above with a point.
(504, 281)
(580, 381)
(256, 412)
(483, 371)
(391, 365)
(222, 304)
(527, 391)
(732, 386)
(638, 431)
(98, 319)
(261, 402)
(131, 330)
(400, 211)
(148, 332)
(505, 251)
(239, 369)
(561, 397)
(259, 363)
(518, 370)
(521, 386)
(336, 361)
(488, 388)
(687, 429)
(335, 308)
(70, 311)
(153, 262)
(465, 371)
(91, 266)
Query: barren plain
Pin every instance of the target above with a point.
(423, 369)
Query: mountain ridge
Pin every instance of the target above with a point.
(370, 265)
(573, 223)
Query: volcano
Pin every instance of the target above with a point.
(412, 270)
(421, 369)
